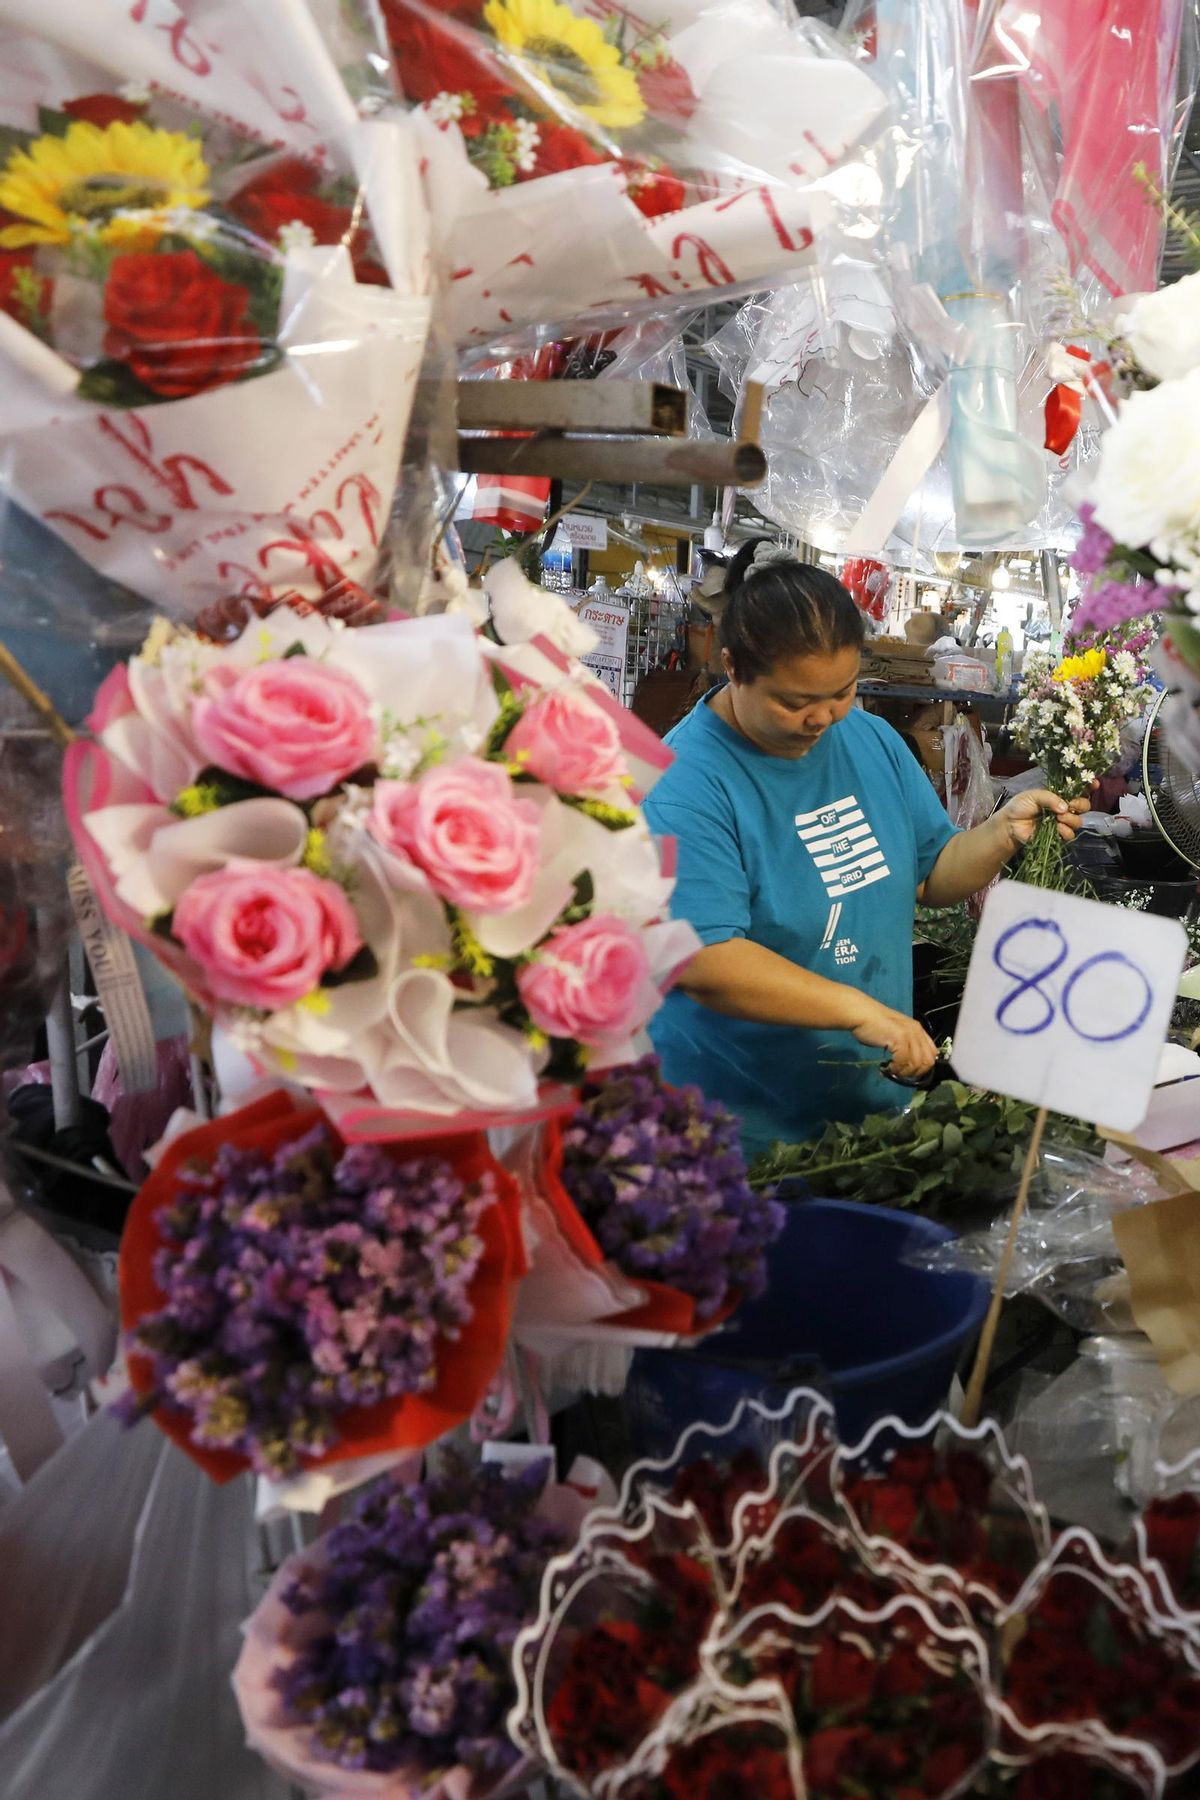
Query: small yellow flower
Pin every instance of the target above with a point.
(428, 961)
(288, 1061)
(116, 180)
(160, 634)
(571, 55)
(316, 857)
(193, 802)
(318, 1003)
(537, 1040)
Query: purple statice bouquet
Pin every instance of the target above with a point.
(658, 1176)
(300, 1283)
(405, 1622)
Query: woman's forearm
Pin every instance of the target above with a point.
(748, 981)
(970, 860)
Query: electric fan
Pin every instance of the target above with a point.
(1172, 790)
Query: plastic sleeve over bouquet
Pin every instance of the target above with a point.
(465, 1367)
(698, 144)
(213, 293)
(275, 1635)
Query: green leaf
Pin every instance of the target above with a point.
(52, 123)
(293, 650)
(115, 384)
(12, 140)
(362, 967)
(952, 1139)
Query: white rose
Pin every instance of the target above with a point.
(1163, 329)
(1148, 482)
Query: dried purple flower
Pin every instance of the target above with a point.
(419, 1600)
(659, 1177)
(302, 1283)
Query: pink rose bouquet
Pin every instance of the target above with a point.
(403, 867)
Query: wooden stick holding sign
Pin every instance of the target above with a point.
(1066, 1005)
(973, 1404)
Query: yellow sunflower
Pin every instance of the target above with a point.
(110, 179)
(572, 55)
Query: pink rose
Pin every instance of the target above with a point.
(568, 743)
(591, 982)
(294, 726)
(264, 936)
(463, 827)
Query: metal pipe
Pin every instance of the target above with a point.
(668, 461)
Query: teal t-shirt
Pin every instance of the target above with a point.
(819, 859)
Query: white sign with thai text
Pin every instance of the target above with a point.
(609, 619)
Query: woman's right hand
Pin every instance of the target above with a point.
(913, 1050)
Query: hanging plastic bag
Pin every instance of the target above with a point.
(126, 1576)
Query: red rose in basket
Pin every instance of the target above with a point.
(179, 326)
(291, 1302)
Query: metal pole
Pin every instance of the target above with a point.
(1052, 586)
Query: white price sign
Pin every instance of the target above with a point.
(586, 532)
(1067, 1003)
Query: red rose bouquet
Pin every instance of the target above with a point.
(894, 1619)
(208, 348)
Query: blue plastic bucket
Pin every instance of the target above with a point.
(880, 1336)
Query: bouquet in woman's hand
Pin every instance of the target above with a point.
(1069, 717)
(693, 146)
(291, 1301)
(210, 316)
(378, 1665)
(402, 867)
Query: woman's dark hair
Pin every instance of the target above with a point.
(784, 609)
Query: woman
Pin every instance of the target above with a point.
(806, 831)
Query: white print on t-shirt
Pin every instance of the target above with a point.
(845, 951)
(843, 847)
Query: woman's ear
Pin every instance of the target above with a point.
(727, 665)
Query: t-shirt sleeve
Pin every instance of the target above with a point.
(931, 822)
(711, 889)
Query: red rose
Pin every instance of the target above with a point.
(287, 193)
(833, 1757)
(179, 327)
(654, 192)
(562, 147)
(841, 1676)
(667, 91)
(603, 1706)
(102, 110)
(1172, 1534)
(902, 1673)
(971, 1476)
(728, 1765)
(435, 57)
(886, 1508)
(1066, 1777)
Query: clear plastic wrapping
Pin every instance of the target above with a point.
(1066, 1254)
(700, 147)
(213, 263)
(999, 187)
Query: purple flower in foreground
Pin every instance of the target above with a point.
(1094, 548)
(302, 1283)
(659, 1178)
(410, 1624)
(1108, 604)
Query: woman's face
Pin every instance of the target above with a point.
(787, 710)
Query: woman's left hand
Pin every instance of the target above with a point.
(1017, 820)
